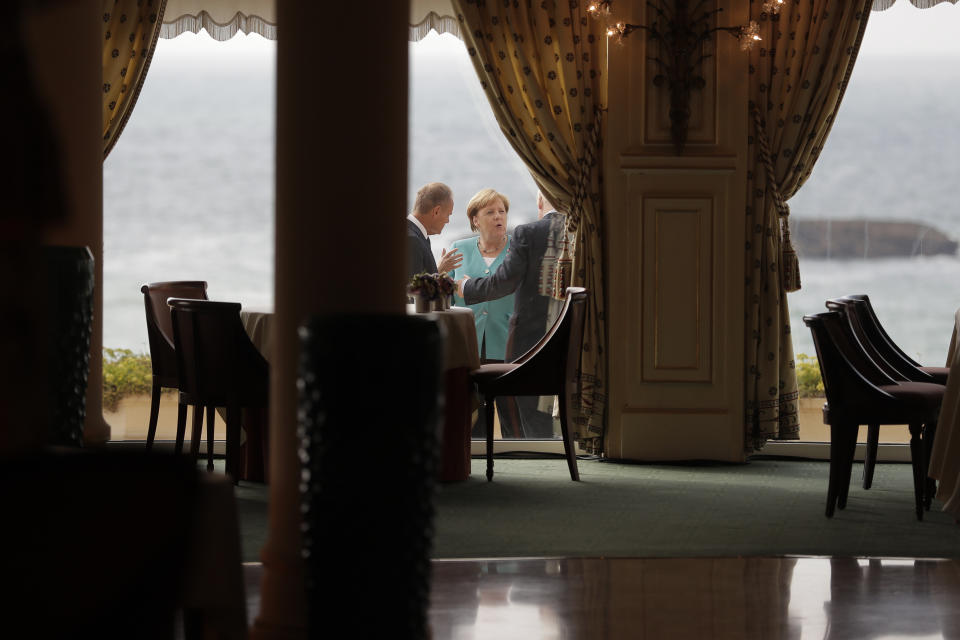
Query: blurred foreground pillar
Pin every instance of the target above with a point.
(340, 247)
(64, 48)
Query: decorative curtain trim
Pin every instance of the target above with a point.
(124, 103)
(193, 23)
(240, 22)
(434, 22)
(883, 5)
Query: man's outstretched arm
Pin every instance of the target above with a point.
(506, 278)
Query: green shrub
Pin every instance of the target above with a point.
(125, 373)
(808, 376)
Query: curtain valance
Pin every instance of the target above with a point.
(436, 15)
(224, 18)
(883, 5)
(221, 18)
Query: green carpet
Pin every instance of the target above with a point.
(766, 507)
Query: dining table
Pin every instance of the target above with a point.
(461, 356)
(944, 464)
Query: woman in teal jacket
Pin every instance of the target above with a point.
(482, 254)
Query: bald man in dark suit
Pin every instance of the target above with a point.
(431, 213)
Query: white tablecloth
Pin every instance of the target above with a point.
(461, 356)
(458, 324)
(257, 325)
(460, 342)
(945, 456)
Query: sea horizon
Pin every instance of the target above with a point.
(188, 189)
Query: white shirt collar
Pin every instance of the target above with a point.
(412, 218)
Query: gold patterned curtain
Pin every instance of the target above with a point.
(797, 82)
(540, 67)
(130, 32)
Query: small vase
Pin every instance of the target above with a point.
(421, 303)
(436, 304)
(447, 303)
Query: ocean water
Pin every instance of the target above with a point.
(891, 155)
(188, 189)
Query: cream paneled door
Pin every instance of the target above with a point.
(675, 256)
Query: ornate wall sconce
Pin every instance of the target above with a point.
(681, 31)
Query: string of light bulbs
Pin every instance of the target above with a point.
(681, 32)
(748, 35)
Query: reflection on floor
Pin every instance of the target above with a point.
(612, 598)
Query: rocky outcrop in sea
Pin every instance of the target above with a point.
(865, 239)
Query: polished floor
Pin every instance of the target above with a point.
(612, 598)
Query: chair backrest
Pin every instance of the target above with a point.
(216, 362)
(863, 321)
(160, 326)
(850, 378)
(846, 307)
(871, 318)
(561, 344)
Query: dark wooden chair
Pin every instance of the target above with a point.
(888, 346)
(218, 367)
(859, 392)
(891, 359)
(162, 353)
(549, 368)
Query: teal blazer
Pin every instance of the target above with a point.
(493, 317)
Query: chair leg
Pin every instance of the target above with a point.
(233, 443)
(849, 452)
(181, 425)
(197, 431)
(568, 444)
(836, 456)
(488, 405)
(154, 413)
(870, 457)
(930, 485)
(211, 416)
(919, 468)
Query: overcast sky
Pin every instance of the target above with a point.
(905, 30)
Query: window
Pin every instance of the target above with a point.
(890, 158)
(188, 189)
(455, 139)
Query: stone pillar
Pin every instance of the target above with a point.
(65, 44)
(341, 203)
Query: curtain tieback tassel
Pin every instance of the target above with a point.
(791, 264)
(563, 272)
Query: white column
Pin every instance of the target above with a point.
(341, 203)
(65, 42)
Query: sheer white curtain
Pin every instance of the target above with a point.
(224, 18)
